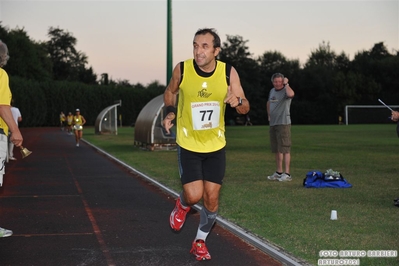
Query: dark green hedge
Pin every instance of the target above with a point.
(40, 103)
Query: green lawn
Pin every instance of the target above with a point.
(292, 217)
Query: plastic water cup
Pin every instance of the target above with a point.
(334, 215)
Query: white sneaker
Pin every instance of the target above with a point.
(284, 178)
(12, 158)
(274, 176)
(5, 232)
(77, 144)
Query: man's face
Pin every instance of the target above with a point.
(203, 50)
(278, 83)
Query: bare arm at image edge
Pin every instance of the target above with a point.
(5, 113)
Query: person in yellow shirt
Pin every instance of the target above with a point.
(78, 122)
(62, 121)
(205, 86)
(7, 123)
(69, 120)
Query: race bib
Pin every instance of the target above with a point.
(205, 115)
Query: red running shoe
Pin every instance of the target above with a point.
(178, 216)
(200, 250)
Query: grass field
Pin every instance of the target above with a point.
(295, 218)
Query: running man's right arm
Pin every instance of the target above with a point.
(170, 97)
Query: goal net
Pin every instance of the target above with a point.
(107, 120)
(368, 114)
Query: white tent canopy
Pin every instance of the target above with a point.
(148, 131)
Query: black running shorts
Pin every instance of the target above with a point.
(201, 166)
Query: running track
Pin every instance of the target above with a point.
(75, 206)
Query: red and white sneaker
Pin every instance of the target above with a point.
(178, 216)
(200, 250)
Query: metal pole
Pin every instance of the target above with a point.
(116, 120)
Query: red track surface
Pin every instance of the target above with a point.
(74, 206)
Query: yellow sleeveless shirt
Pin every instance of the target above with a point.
(5, 97)
(200, 112)
(78, 119)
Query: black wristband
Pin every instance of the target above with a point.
(170, 109)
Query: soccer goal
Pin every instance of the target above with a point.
(368, 114)
(107, 120)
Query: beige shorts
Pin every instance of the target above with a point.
(3, 152)
(280, 138)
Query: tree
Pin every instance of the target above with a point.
(236, 53)
(234, 50)
(28, 59)
(379, 71)
(68, 63)
(87, 75)
(104, 79)
(342, 63)
(275, 62)
(319, 71)
(323, 56)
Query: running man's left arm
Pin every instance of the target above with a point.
(235, 95)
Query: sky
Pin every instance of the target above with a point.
(127, 39)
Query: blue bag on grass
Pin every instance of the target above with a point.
(317, 179)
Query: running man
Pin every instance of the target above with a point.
(205, 86)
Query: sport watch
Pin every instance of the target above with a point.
(239, 101)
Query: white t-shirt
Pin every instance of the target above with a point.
(15, 113)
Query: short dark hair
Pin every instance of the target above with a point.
(216, 38)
